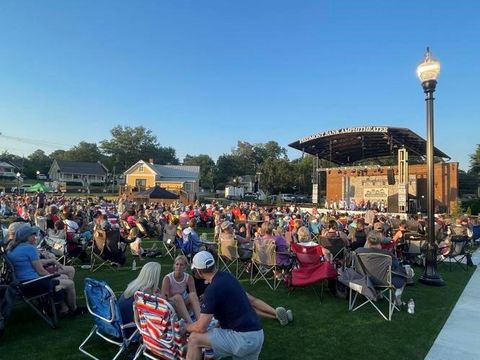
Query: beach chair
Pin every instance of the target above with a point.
(108, 325)
(160, 329)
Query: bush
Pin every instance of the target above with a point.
(473, 205)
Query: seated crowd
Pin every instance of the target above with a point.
(208, 292)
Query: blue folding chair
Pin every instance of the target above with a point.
(102, 304)
(476, 232)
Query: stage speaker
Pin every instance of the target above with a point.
(391, 177)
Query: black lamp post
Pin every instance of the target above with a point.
(428, 72)
(18, 182)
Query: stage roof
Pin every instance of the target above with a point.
(348, 145)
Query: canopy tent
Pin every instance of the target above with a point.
(157, 192)
(345, 146)
(37, 187)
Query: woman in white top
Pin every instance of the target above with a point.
(179, 288)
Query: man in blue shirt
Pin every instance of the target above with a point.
(240, 334)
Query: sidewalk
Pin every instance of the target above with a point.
(458, 338)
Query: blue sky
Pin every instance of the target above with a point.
(204, 74)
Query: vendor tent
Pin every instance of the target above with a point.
(37, 187)
(157, 193)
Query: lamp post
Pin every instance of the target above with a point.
(38, 173)
(428, 72)
(18, 182)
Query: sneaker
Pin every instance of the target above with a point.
(282, 316)
(290, 315)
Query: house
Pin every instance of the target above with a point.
(7, 169)
(81, 172)
(179, 179)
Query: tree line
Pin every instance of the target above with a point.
(267, 162)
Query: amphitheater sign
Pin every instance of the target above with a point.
(360, 129)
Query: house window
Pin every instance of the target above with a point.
(188, 186)
(141, 184)
(140, 168)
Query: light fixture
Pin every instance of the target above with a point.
(429, 68)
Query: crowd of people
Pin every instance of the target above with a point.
(207, 292)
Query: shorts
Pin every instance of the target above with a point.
(238, 345)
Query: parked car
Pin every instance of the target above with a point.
(303, 198)
(287, 197)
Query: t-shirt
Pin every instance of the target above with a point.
(226, 299)
(125, 305)
(21, 258)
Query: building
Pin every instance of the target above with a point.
(401, 187)
(81, 172)
(8, 170)
(179, 179)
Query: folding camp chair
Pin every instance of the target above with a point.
(458, 252)
(336, 247)
(169, 236)
(310, 268)
(315, 230)
(39, 294)
(229, 259)
(108, 325)
(107, 250)
(264, 261)
(374, 282)
(160, 328)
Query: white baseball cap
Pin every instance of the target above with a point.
(203, 260)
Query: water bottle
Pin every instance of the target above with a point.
(134, 265)
(411, 306)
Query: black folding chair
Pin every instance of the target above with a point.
(39, 293)
(458, 252)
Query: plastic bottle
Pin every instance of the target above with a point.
(134, 265)
(411, 306)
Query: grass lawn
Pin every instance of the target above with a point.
(320, 330)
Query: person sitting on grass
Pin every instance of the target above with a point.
(147, 281)
(240, 333)
(179, 288)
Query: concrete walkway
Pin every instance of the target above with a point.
(459, 338)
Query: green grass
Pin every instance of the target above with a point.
(320, 330)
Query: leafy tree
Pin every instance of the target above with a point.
(302, 174)
(130, 144)
(207, 168)
(37, 161)
(228, 167)
(84, 151)
(58, 155)
(277, 176)
(475, 161)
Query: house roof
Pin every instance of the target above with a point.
(165, 172)
(345, 146)
(170, 172)
(6, 164)
(81, 167)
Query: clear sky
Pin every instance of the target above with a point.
(204, 74)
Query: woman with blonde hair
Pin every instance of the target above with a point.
(179, 288)
(148, 281)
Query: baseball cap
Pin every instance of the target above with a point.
(24, 232)
(202, 260)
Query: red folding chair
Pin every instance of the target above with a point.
(311, 267)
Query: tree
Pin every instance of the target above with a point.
(128, 145)
(207, 168)
(475, 161)
(228, 167)
(277, 176)
(37, 161)
(302, 174)
(58, 155)
(84, 151)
